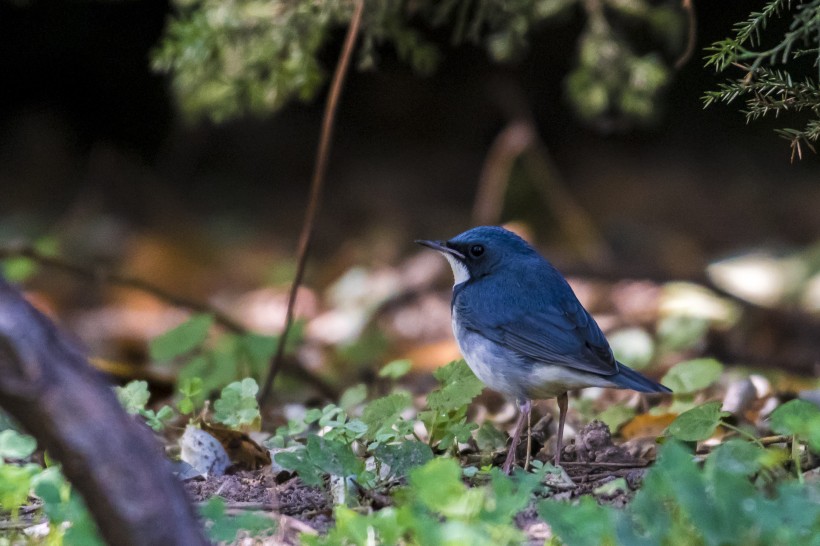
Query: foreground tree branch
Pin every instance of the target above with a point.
(47, 384)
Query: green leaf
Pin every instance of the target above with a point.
(459, 386)
(237, 404)
(584, 523)
(403, 457)
(259, 349)
(798, 418)
(382, 413)
(490, 439)
(62, 504)
(698, 423)
(615, 416)
(223, 528)
(158, 420)
(19, 268)
(352, 397)
(14, 445)
(632, 346)
(333, 457)
(15, 485)
(133, 396)
(193, 396)
(693, 375)
(738, 457)
(611, 487)
(396, 369)
(438, 486)
(321, 456)
(181, 340)
(681, 332)
(511, 494)
(299, 462)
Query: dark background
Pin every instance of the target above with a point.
(87, 129)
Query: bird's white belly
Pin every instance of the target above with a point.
(501, 371)
(489, 366)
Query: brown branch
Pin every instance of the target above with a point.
(316, 187)
(573, 220)
(114, 461)
(519, 141)
(507, 147)
(692, 35)
(103, 275)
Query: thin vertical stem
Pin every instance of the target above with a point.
(316, 186)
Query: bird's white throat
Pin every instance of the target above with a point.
(460, 272)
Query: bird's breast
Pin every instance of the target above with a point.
(491, 363)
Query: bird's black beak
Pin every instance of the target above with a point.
(441, 246)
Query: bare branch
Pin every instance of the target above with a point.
(316, 186)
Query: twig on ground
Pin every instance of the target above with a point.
(316, 186)
(592, 464)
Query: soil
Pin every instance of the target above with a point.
(591, 461)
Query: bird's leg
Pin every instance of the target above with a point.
(529, 441)
(563, 400)
(524, 412)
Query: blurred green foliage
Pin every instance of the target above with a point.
(214, 360)
(683, 503)
(253, 56)
(437, 507)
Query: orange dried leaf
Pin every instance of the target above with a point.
(241, 448)
(647, 425)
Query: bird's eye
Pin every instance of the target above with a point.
(476, 251)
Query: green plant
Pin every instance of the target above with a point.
(382, 432)
(775, 72)
(446, 420)
(437, 507)
(222, 527)
(62, 504)
(237, 406)
(15, 480)
(252, 57)
(682, 503)
(687, 379)
(134, 396)
(211, 361)
(20, 268)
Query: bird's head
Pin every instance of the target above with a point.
(481, 251)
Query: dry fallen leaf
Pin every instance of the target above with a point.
(647, 425)
(241, 448)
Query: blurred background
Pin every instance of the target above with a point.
(149, 139)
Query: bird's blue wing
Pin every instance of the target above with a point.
(550, 326)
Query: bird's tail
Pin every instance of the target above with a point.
(628, 378)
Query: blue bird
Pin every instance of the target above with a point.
(521, 328)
